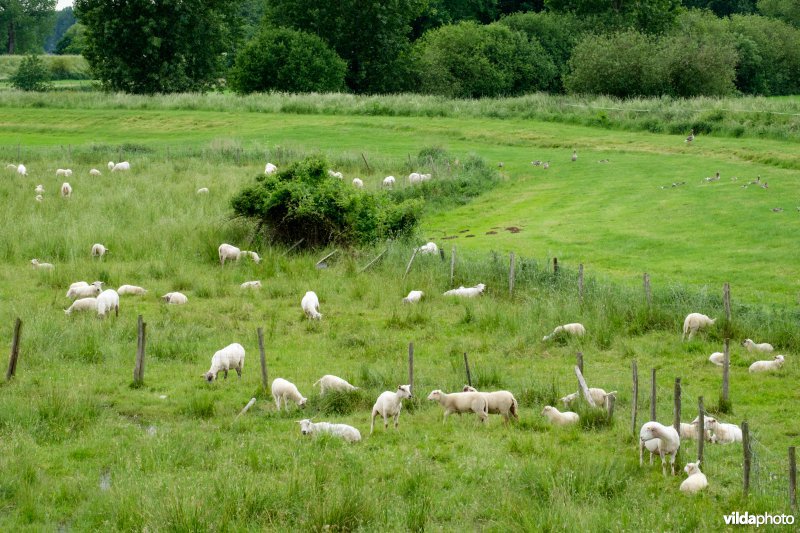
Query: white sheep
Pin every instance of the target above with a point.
(94, 172)
(357, 183)
(251, 285)
(689, 431)
(722, 432)
(389, 182)
(575, 329)
(335, 174)
(462, 402)
(39, 189)
(84, 304)
(270, 169)
(388, 405)
(39, 197)
(763, 347)
(283, 390)
(108, 300)
(21, 170)
(230, 357)
(413, 297)
(254, 256)
(662, 439)
(558, 418)
(202, 190)
(310, 305)
(110, 165)
(85, 290)
(66, 172)
(718, 358)
(335, 383)
(694, 322)
(415, 177)
(428, 249)
(131, 289)
(501, 402)
(175, 298)
(66, 190)
(348, 433)
(121, 167)
(228, 251)
(467, 292)
(696, 481)
(598, 396)
(98, 250)
(767, 366)
(41, 266)
(425, 177)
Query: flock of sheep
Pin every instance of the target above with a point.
(66, 188)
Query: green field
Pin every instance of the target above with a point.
(81, 449)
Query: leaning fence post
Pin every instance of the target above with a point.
(635, 401)
(701, 429)
(726, 370)
(411, 366)
(409, 263)
(466, 366)
(511, 274)
(747, 458)
(452, 265)
(138, 370)
(792, 479)
(584, 387)
(647, 294)
(579, 359)
(12, 360)
(263, 358)
(610, 400)
(653, 394)
(676, 413)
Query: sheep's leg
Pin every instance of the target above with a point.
(396, 420)
(372, 423)
(225, 376)
(672, 462)
(663, 463)
(239, 371)
(116, 310)
(386, 421)
(277, 401)
(651, 458)
(641, 454)
(692, 331)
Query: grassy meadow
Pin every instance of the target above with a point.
(81, 449)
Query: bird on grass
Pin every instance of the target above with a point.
(690, 138)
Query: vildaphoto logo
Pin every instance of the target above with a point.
(746, 519)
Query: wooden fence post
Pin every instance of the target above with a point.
(726, 297)
(263, 357)
(12, 360)
(792, 479)
(452, 266)
(555, 265)
(409, 263)
(511, 274)
(676, 412)
(747, 458)
(138, 370)
(726, 369)
(579, 359)
(466, 366)
(411, 366)
(580, 282)
(701, 429)
(610, 401)
(653, 394)
(635, 401)
(647, 294)
(584, 387)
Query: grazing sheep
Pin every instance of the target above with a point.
(110, 165)
(131, 289)
(39, 189)
(467, 292)
(462, 402)
(254, 256)
(41, 266)
(428, 249)
(329, 382)
(66, 190)
(270, 169)
(575, 329)
(696, 481)
(598, 396)
(228, 251)
(66, 172)
(108, 300)
(751, 346)
(335, 174)
(662, 439)
(175, 298)
(413, 297)
(310, 305)
(357, 183)
(694, 322)
(388, 405)
(84, 304)
(21, 170)
(39, 197)
(230, 357)
(348, 433)
(718, 358)
(500, 403)
(94, 172)
(251, 285)
(558, 418)
(84, 291)
(767, 366)
(121, 167)
(283, 390)
(202, 190)
(721, 432)
(415, 177)
(98, 250)
(389, 182)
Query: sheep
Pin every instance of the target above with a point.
(175, 298)
(286, 390)
(41, 266)
(21, 170)
(270, 169)
(751, 346)
(500, 403)
(202, 190)
(575, 329)
(39, 189)
(662, 439)
(108, 300)
(388, 405)
(348, 433)
(598, 396)
(718, 358)
(94, 172)
(66, 190)
(462, 402)
(696, 480)
(131, 289)
(388, 182)
(251, 285)
(558, 418)
(120, 167)
(228, 251)
(413, 297)
(415, 177)
(357, 183)
(467, 292)
(694, 322)
(310, 305)
(84, 291)
(230, 357)
(689, 431)
(66, 172)
(335, 174)
(84, 304)
(254, 256)
(723, 433)
(428, 249)
(329, 382)
(110, 165)
(767, 366)
(98, 250)
(39, 197)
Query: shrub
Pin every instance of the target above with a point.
(32, 75)
(73, 42)
(287, 60)
(698, 66)
(776, 67)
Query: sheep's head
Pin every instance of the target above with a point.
(746, 342)
(166, 297)
(481, 287)
(305, 426)
(779, 360)
(404, 391)
(649, 432)
(302, 402)
(435, 395)
(569, 398)
(98, 284)
(692, 468)
(34, 262)
(548, 409)
(467, 388)
(209, 376)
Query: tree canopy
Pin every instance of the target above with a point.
(25, 23)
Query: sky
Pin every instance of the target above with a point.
(63, 3)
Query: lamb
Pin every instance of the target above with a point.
(39, 197)
(462, 402)
(228, 251)
(718, 358)
(110, 165)
(286, 390)
(751, 346)
(598, 396)
(468, 292)
(131, 289)
(202, 190)
(251, 285)
(230, 357)
(94, 172)
(500, 403)
(66, 172)
(310, 305)
(175, 298)
(575, 329)
(348, 433)
(98, 250)
(689, 431)
(39, 189)
(696, 481)
(415, 177)
(84, 291)
(21, 170)
(41, 266)
(428, 249)
(767, 366)
(558, 418)
(663, 439)
(270, 169)
(121, 167)
(388, 182)
(335, 174)
(413, 297)
(329, 382)
(388, 405)
(694, 322)
(84, 304)
(357, 183)
(66, 190)
(723, 433)
(108, 300)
